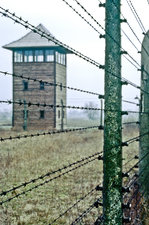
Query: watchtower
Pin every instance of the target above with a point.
(36, 57)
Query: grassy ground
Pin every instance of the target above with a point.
(22, 160)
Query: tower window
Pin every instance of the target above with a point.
(18, 56)
(25, 85)
(60, 58)
(42, 114)
(28, 56)
(41, 85)
(38, 55)
(49, 56)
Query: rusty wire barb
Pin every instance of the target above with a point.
(96, 204)
(97, 188)
(49, 180)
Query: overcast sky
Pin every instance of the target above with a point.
(68, 27)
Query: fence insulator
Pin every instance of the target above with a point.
(102, 5)
(140, 70)
(102, 36)
(126, 206)
(125, 174)
(100, 157)
(126, 189)
(100, 127)
(101, 96)
(136, 166)
(125, 144)
(123, 21)
(97, 203)
(102, 67)
(124, 83)
(124, 52)
(124, 113)
(126, 219)
(99, 188)
(136, 175)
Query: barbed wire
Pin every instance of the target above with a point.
(51, 84)
(29, 104)
(134, 103)
(97, 188)
(134, 35)
(130, 40)
(49, 174)
(81, 16)
(134, 12)
(18, 137)
(134, 157)
(96, 204)
(20, 102)
(135, 176)
(89, 14)
(49, 180)
(60, 85)
(137, 191)
(136, 164)
(48, 36)
(56, 41)
(134, 122)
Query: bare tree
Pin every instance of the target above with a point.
(91, 113)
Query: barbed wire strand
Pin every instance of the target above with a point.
(89, 14)
(134, 12)
(76, 203)
(50, 83)
(134, 157)
(21, 102)
(59, 85)
(49, 174)
(27, 25)
(53, 132)
(95, 204)
(47, 181)
(136, 164)
(48, 36)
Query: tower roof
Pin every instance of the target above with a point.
(34, 40)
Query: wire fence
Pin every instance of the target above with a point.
(73, 193)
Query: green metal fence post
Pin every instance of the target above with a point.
(112, 183)
(144, 118)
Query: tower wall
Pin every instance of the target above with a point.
(61, 96)
(41, 71)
